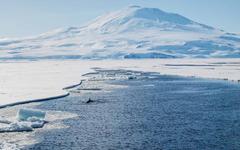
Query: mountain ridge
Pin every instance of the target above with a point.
(132, 32)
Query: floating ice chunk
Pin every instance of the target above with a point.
(36, 122)
(26, 114)
(4, 120)
(27, 120)
(17, 127)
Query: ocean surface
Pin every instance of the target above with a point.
(146, 111)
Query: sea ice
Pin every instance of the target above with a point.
(8, 146)
(35, 82)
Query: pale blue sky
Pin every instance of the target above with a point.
(31, 17)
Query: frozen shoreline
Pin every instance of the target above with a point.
(43, 99)
(23, 82)
(121, 117)
(34, 100)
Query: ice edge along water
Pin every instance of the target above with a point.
(45, 84)
(44, 99)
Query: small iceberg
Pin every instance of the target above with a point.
(27, 120)
(29, 114)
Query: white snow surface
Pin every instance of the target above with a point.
(33, 80)
(132, 32)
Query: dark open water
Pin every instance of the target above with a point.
(164, 112)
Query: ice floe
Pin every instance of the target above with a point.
(27, 120)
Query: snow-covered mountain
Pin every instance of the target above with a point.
(132, 32)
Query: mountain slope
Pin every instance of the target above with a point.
(132, 32)
(135, 17)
